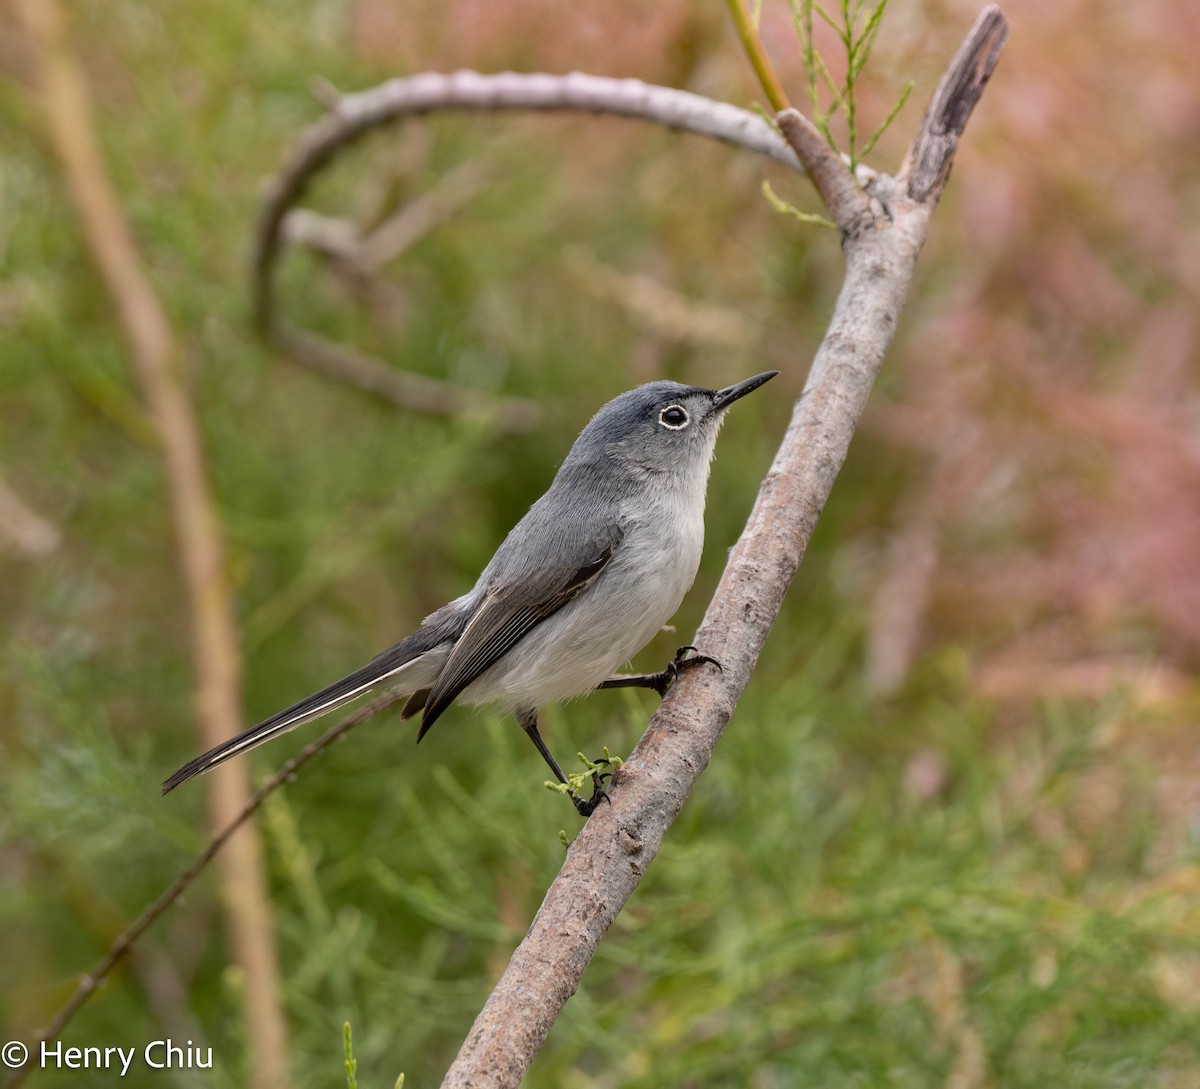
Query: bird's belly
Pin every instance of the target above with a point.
(571, 652)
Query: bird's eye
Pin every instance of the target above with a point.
(674, 417)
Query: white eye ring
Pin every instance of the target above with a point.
(675, 423)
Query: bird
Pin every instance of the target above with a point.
(598, 565)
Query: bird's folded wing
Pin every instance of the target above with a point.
(511, 609)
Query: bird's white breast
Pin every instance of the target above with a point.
(587, 640)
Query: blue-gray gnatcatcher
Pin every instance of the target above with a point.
(583, 582)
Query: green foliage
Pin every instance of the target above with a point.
(856, 25)
(579, 782)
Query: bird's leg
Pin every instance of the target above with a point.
(529, 723)
(661, 682)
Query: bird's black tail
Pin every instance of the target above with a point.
(375, 672)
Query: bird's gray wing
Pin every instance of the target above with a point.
(511, 608)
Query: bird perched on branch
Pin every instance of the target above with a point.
(583, 582)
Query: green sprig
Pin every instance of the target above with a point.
(780, 205)
(351, 1061)
(856, 24)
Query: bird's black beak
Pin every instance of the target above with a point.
(723, 398)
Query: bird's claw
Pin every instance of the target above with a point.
(678, 665)
(587, 806)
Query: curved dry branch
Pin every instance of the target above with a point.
(352, 116)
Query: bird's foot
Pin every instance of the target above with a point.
(661, 682)
(685, 658)
(586, 807)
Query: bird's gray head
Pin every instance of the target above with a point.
(661, 427)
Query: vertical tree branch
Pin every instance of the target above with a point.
(609, 856)
(157, 360)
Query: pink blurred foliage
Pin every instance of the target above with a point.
(1052, 389)
(678, 43)
(650, 39)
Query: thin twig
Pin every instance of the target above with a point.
(330, 237)
(123, 943)
(364, 251)
(400, 232)
(155, 968)
(401, 387)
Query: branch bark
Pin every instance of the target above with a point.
(847, 203)
(609, 856)
(931, 155)
(158, 362)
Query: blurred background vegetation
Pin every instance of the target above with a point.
(950, 835)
